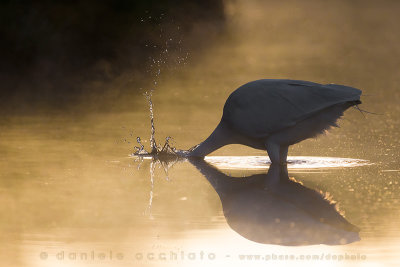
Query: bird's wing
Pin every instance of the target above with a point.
(309, 99)
(262, 107)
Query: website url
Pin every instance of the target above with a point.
(307, 257)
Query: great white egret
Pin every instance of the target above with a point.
(274, 114)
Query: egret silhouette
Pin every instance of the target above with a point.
(274, 114)
(274, 209)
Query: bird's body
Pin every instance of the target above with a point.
(274, 114)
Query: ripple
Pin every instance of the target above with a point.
(263, 162)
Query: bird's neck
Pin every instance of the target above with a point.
(220, 137)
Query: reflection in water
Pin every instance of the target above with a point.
(152, 167)
(274, 209)
(165, 161)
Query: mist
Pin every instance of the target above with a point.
(57, 54)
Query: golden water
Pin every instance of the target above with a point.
(70, 187)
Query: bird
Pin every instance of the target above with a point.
(272, 114)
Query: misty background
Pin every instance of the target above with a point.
(57, 53)
(106, 54)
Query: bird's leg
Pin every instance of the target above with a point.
(277, 153)
(283, 154)
(273, 150)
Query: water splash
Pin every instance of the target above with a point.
(153, 144)
(164, 152)
(169, 55)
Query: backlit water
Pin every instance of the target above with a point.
(73, 195)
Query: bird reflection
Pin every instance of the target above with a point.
(275, 209)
